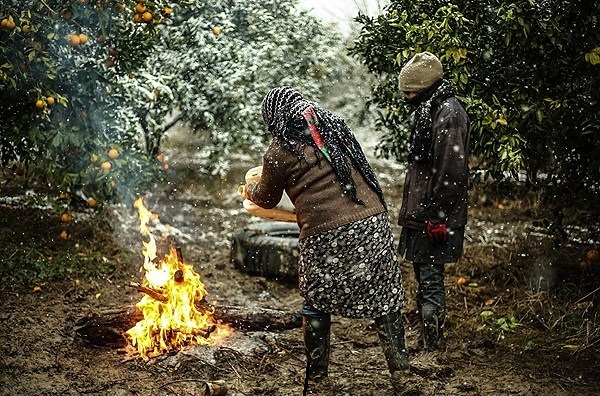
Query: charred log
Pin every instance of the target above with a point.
(257, 318)
(107, 328)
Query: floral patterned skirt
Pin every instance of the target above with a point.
(352, 270)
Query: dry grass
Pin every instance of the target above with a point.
(521, 270)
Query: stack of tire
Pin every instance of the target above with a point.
(268, 249)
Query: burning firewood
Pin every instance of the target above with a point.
(178, 276)
(106, 329)
(173, 312)
(155, 294)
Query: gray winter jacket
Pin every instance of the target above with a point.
(437, 189)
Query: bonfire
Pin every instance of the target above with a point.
(173, 304)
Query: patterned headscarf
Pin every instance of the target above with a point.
(282, 110)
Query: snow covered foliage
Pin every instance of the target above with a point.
(527, 71)
(81, 77)
(222, 57)
(63, 104)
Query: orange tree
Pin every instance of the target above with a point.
(81, 77)
(64, 113)
(528, 73)
(219, 61)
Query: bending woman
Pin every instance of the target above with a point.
(348, 265)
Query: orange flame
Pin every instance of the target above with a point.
(171, 318)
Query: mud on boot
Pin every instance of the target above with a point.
(390, 330)
(317, 348)
(433, 320)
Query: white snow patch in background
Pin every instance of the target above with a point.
(342, 12)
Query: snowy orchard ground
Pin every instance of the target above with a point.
(505, 255)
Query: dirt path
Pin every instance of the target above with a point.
(40, 356)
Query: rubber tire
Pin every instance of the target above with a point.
(269, 249)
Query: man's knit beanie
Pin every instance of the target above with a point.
(421, 72)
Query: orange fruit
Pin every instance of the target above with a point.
(592, 255)
(217, 30)
(74, 40)
(166, 11)
(40, 104)
(147, 16)
(101, 38)
(94, 158)
(462, 281)
(26, 28)
(113, 153)
(140, 8)
(50, 100)
(64, 196)
(66, 14)
(81, 1)
(165, 166)
(83, 38)
(137, 18)
(113, 184)
(106, 165)
(160, 157)
(120, 7)
(583, 265)
(92, 203)
(65, 217)
(109, 62)
(65, 235)
(112, 52)
(8, 24)
(141, 1)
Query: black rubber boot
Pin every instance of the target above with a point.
(433, 320)
(391, 335)
(316, 343)
(431, 303)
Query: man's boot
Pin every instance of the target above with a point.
(432, 363)
(316, 344)
(391, 336)
(433, 321)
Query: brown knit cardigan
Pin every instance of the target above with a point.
(314, 189)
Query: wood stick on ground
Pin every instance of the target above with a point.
(206, 331)
(215, 389)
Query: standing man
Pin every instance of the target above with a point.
(434, 203)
